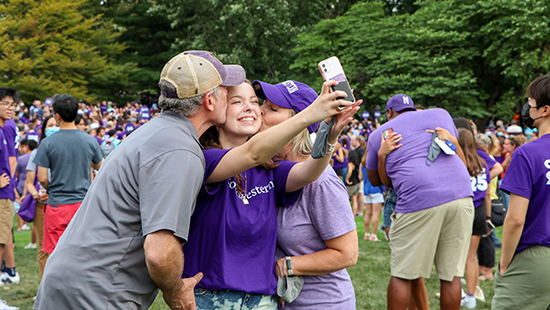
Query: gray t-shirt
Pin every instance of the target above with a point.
(321, 213)
(148, 183)
(69, 155)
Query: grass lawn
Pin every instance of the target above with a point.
(370, 276)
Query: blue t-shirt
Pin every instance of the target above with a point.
(69, 154)
(231, 242)
(528, 175)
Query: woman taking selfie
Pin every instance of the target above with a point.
(234, 226)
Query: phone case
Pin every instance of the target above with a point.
(331, 69)
(386, 133)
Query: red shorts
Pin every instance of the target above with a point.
(56, 219)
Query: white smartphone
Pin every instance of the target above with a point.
(331, 69)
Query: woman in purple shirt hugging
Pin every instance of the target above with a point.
(234, 226)
(316, 235)
(522, 280)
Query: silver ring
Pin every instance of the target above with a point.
(340, 108)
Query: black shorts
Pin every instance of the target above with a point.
(480, 220)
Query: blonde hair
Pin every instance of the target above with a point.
(301, 143)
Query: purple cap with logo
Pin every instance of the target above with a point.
(290, 94)
(399, 103)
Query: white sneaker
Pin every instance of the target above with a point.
(25, 227)
(5, 306)
(7, 279)
(30, 246)
(468, 302)
(478, 294)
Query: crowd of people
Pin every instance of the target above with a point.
(221, 202)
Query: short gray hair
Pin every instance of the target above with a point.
(184, 106)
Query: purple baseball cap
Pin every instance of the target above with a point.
(399, 103)
(290, 94)
(195, 72)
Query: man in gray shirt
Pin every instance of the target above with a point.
(68, 155)
(125, 241)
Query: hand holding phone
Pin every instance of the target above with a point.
(331, 69)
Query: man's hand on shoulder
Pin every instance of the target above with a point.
(183, 297)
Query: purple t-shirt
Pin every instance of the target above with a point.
(129, 127)
(419, 185)
(480, 184)
(232, 243)
(33, 136)
(528, 175)
(21, 167)
(6, 192)
(144, 112)
(11, 133)
(321, 213)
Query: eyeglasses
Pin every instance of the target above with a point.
(8, 104)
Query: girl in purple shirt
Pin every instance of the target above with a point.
(522, 280)
(233, 229)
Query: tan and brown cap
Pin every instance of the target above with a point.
(194, 73)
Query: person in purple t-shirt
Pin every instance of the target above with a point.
(434, 212)
(235, 215)
(522, 280)
(317, 234)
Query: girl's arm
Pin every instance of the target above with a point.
(310, 170)
(386, 147)
(264, 145)
(339, 154)
(341, 252)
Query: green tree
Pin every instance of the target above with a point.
(470, 57)
(257, 34)
(49, 47)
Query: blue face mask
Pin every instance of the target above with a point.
(51, 130)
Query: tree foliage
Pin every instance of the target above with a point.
(49, 47)
(470, 57)
(257, 34)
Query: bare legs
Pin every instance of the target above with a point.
(472, 265)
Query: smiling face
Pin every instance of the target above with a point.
(273, 115)
(243, 112)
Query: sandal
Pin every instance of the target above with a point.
(367, 237)
(374, 238)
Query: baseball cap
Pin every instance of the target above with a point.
(290, 94)
(400, 102)
(193, 73)
(514, 129)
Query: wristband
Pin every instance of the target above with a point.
(33, 195)
(331, 147)
(487, 217)
(289, 266)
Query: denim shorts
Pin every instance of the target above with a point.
(233, 300)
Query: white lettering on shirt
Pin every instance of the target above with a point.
(547, 165)
(479, 183)
(257, 190)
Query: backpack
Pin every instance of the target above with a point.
(108, 147)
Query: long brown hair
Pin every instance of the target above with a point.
(210, 139)
(474, 163)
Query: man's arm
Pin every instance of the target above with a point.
(42, 174)
(13, 165)
(512, 229)
(98, 165)
(164, 259)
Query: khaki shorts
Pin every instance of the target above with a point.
(353, 189)
(526, 283)
(439, 235)
(6, 220)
